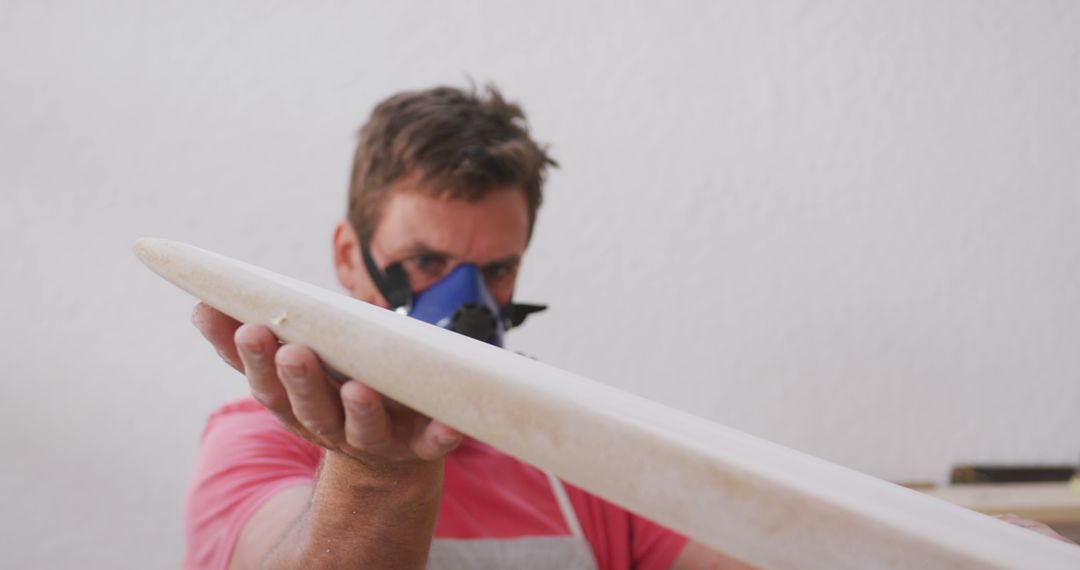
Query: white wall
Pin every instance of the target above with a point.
(847, 227)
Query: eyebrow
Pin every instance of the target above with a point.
(508, 260)
(421, 248)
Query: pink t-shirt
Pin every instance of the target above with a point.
(246, 456)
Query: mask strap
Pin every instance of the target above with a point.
(515, 313)
(393, 284)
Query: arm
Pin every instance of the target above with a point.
(375, 498)
(346, 518)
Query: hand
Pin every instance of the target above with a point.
(349, 418)
(1033, 526)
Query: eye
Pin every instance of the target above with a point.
(499, 271)
(429, 264)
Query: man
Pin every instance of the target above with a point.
(317, 473)
(314, 473)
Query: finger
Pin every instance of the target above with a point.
(315, 402)
(367, 425)
(257, 347)
(1019, 521)
(436, 440)
(218, 328)
(1036, 526)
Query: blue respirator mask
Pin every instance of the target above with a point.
(460, 301)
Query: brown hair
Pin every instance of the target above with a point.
(457, 144)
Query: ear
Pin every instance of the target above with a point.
(347, 262)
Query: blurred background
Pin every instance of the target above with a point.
(851, 228)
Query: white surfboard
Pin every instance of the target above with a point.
(763, 503)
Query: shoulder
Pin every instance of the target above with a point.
(245, 425)
(243, 413)
(245, 457)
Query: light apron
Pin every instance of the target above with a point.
(570, 552)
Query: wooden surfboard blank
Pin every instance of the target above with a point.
(763, 503)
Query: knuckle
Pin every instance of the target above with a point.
(271, 400)
(304, 392)
(321, 429)
(362, 410)
(363, 439)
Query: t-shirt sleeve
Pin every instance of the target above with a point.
(653, 547)
(622, 540)
(245, 457)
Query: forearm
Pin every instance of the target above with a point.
(360, 517)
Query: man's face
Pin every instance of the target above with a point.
(431, 236)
